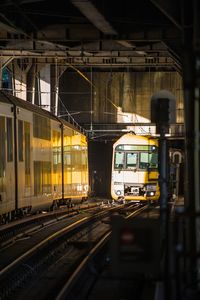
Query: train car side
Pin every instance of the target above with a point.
(43, 159)
(7, 167)
(75, 164)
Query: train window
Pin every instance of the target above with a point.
(144, 160)
(119, 160)
(46, 177)
(84, 157)
(56, 151)
(153, 160)
(20, 140)
(9, 140)
(67, 158)
(131, 160)
(76, 157)
(42, 177)
(37, 178)
(2, 150)
(27, 149)
(67, 155)
(41, 127)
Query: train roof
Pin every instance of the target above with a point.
(131, 138)
(8, 98)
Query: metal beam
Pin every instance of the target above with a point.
(8, 26)
(5, 61)
(86, 32)
(153, 58)
(10, 2)
(88, 9)
(166, 7)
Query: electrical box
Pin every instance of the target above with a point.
(163, 110)
(135, 246)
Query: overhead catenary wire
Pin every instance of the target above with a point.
(89, 81)
(34, 26)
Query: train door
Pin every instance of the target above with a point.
(7, 175)
(23, 128)
(56, 161)
(132, 164)
(67, 149)
(10, 201)
(41, 159)
(2, 165)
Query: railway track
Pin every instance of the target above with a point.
(68, 240)
(84, 277)
(9, 233)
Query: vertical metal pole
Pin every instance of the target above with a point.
(163, 173)
(163, 181)
(189, 84)
(62, 161)
(197, 124)
(56, 88)
(15, 157)
(177, 179)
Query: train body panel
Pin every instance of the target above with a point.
(135, 169)
(56, 160)
(75, 164)
(33, 173)
(24, 158)
(7, 168)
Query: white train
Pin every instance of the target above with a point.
(135, 168)
(43, 159)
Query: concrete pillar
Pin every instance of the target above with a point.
(44, 88)
(31, 77)
(127, 94)
(54, 89)
(20, 69)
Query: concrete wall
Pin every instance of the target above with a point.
(131, 91)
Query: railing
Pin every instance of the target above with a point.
(175, 131)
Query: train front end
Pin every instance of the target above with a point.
(135, 169)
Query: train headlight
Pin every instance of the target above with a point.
(151, 193)
(118, 188)
(118, 192)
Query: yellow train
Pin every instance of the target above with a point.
(135, 169)
(43, 159)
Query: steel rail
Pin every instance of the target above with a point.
(51, 238)
(16, 229)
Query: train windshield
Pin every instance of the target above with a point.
(148, 160)
(119, 160)
(131, 160)
(140, 159)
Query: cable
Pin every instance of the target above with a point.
(89, 81)
(70, 117)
